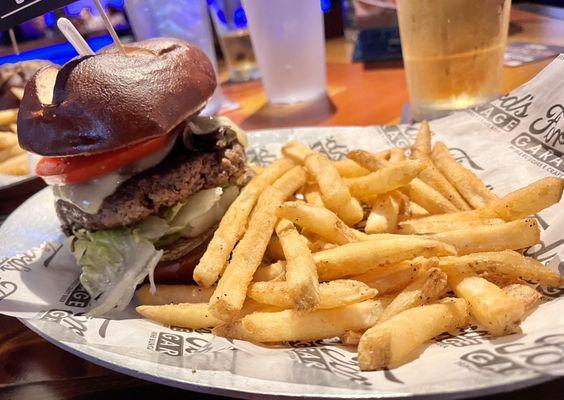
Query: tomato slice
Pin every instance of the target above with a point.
(74, 169)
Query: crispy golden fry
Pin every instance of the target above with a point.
(370, 161)
(332, 294)
(468, 184)
(167, 294)
(417, 211)
(186, 315)
(14, 128)
(233, 224)
(7, 140)
(508, 236)
(508, 263)
(429, 198)
(426, 289)
(394, 278)
(318, 220)
(385, 179)
(294, 178)
(11, 152)
(17, 165)
(357, 258)
(422, 227)
(350, 169)
(8, 117)
(312, 195)
(231, 290)
(17, 92)
(274, 250)
(498, 312)
(500, 279)
(404, 203)
(383, 216)
(272, 272)
(290, 325)
(391, 342)
(296, 151)
(421, 149)
(351, 338)
(433, 177)
(334, 191)
(524, 293)
(528, 200)
(397, 154)
(301, 272)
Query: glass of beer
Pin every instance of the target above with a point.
(452, 52)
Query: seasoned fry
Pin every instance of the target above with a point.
(371, 161)
(312, 195)
(421, 149)
(7, 140)
(508, 263)
(301, 272)
(429, 287)
(508, 236)
(8, 117)
(383, 216)
(334, 191)
(14, 128)
(391, 342)
(524, 293)
(294, 178)
(498, 312)
(290, 325)
(351, 338)
(417, 211)
(429, 198)
(271, 272)
(11, 152)
(385, 179)
(167, 294)
(231, 290)
(274, 250)
(350, 169)
(423, 226)
(318, 220)
(357, 258)
(433, 177)
(296, 151)
(468, 184)
(186, 315)
(17, 165)
(332, 294)
(397, 154)
(233, 224)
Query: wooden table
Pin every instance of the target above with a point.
(31, 368)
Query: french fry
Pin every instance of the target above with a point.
(498, 312)
(357, 258)
(424, 227)
(397, 154)
(391, 342)
(233, 224)
(272, 272)
(296, 177)
(8, 117)
(274, 250)
(332, 294)
(385, 179)
(11, 152)
(421, 149)
(186, 315)
(525, 294)
(312, 195)
(350, 169)
(296, 151)
(319, 220)
(468, 184)
(17, 165)
(417, 211)
(427, 288)
(383, 216)
(7, 140)
(508, 263)
(14, 128)
(429, 198)
(334, 191)
(292, 325)
(508, 236)
(351, 338)
(167, 294)
(301, 272)
(370, 161)
(230, 293)
(17, 92)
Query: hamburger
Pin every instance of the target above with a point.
(140, 179)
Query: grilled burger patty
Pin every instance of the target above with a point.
(209, 164)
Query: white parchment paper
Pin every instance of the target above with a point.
(511, 142)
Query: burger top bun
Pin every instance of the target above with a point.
(111, 100)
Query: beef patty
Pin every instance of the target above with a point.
(182, 173)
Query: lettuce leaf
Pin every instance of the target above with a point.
(115, 261)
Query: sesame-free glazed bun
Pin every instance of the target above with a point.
(104, 102)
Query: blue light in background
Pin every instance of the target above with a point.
(239, 18)
(325, 5)
(75, 8)
(50, 19)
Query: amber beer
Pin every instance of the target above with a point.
(452, 52)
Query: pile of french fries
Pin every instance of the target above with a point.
(13, 159)
(384, 251)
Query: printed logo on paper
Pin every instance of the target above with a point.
(330, 148)
(77, 323)
(75, 296)
(176, 345)
(506, 112)
(22, 263)
(7, 288)
(399, 135)
(469, 336)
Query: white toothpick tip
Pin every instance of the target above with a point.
(109, 26)
(74, 37)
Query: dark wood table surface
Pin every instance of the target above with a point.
(360, 94)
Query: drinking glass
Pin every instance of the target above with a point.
(288, 39)
(452, 52)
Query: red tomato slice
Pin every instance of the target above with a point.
(74, 169)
